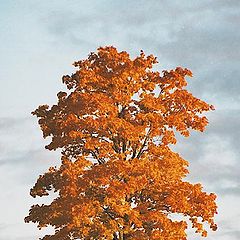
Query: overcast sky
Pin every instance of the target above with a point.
(41, 39)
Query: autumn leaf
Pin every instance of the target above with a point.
(118, 177)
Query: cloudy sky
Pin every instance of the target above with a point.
(40, 40)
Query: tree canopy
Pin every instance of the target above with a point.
(119, 177)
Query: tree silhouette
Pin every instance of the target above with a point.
(119, 178)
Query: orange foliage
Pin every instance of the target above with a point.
(119, 179)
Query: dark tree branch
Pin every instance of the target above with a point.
(144, 144)
(100, 160)
(134, 152)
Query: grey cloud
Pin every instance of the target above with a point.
(202, 35)
(223, 180)
(235, 234)
(26, 167)
(214, 154)
(229, 191)
(23, 156)
(8, 123)
(226, 125)
(2, 226)
(224, 4)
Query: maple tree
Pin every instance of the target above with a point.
(119, 178)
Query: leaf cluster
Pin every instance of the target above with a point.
(119, 178)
